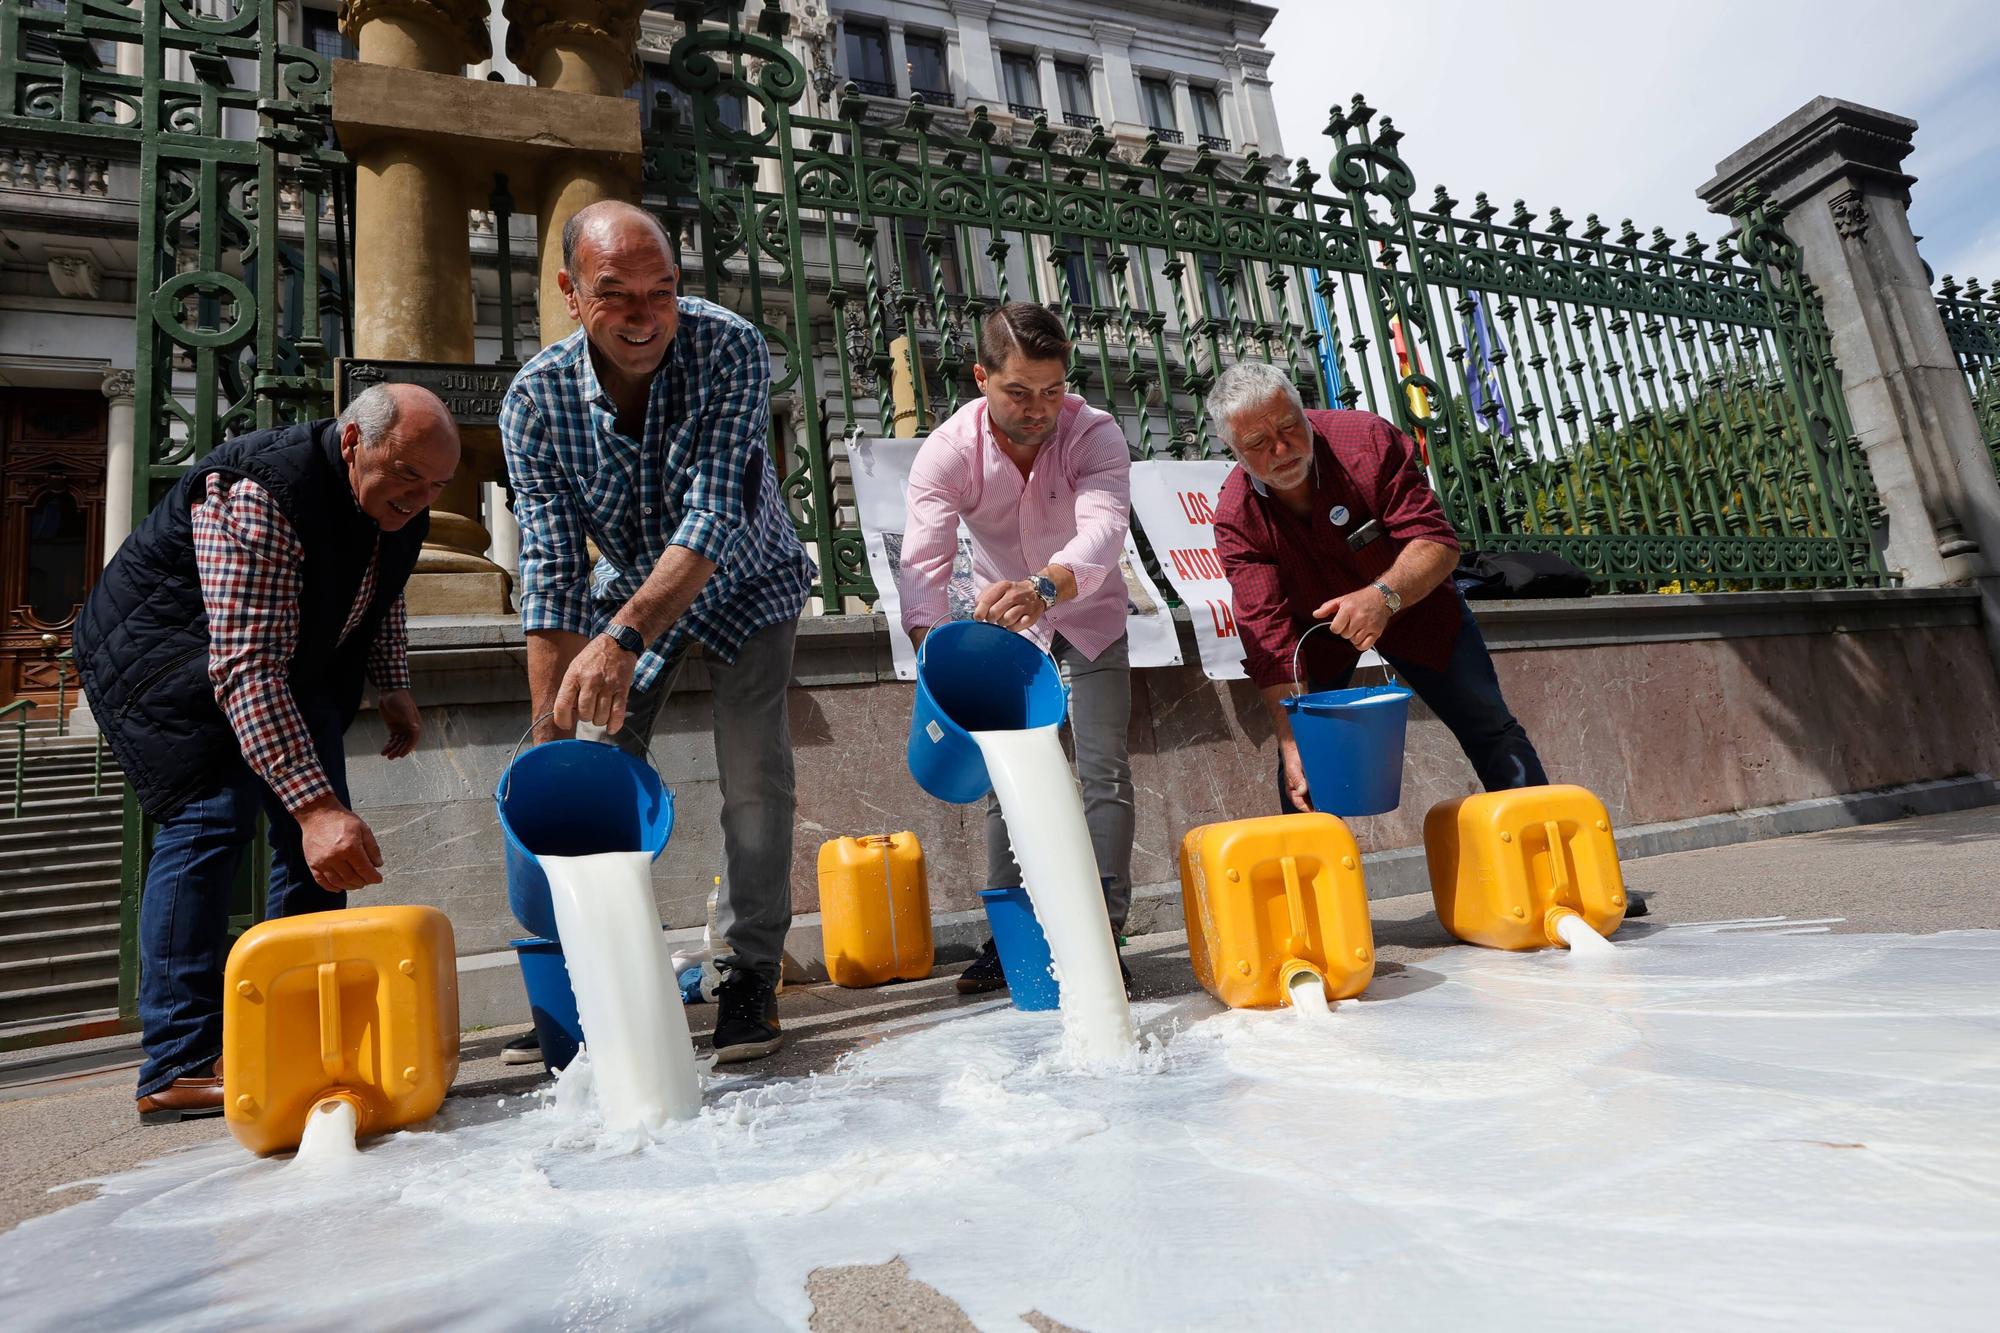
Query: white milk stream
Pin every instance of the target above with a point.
(1058, 868)
(634, 1025)
(1582, 939)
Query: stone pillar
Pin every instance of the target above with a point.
(1045, 61)
(1184, 110)
(899, 59)
(1232, 121)
(1256, 114)
(506, 532)
(1114, 42)
(1836, 169)
(413, 273)
(575, 46)
(975, 64)
(119, 462)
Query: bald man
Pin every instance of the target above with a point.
(224, 651)
(647, 431)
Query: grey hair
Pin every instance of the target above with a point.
(1245, 385)
(373, 410)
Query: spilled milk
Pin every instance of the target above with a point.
(1058, 868)
(633, 1022)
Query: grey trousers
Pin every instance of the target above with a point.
(753, 761)
(1100, 713)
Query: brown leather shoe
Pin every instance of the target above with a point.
(184, 1099)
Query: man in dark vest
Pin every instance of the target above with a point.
(224, 652)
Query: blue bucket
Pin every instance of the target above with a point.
(972, 676)
(551, 999)
(1023, 949)
(1351, 743)
(575, 798)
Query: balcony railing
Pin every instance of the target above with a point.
(874, 87)
(54, 173)
(1026, 112)
(1081, 120)
(934, 97)
(1167, 135)
(1219, 142)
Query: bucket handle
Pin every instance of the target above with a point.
(1388, 672)
(666, 687)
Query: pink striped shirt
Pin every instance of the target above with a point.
(1072, 509)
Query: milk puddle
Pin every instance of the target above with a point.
(1058, 868)
(1720, 1127)
(626, 996)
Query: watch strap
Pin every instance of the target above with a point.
(627, 638)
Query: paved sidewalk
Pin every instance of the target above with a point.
(67, 1115)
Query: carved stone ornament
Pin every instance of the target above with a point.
(1850, 214)
(120, 384)
(463, 19)
(533, 26)
(75, 274)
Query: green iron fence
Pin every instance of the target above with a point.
(226, 128)
(1652, 412)
(1972, 325)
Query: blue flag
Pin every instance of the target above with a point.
(1329, 364)
(1483, 384)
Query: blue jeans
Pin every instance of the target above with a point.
(184, 912)
(1465, 695)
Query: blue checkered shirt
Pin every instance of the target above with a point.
(701, 478)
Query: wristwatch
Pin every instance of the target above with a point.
(1045, 588)
(626, 637)
(1391, 596)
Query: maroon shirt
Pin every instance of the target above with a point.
(1282, 567)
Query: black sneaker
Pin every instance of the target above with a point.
(746, 1019)
(984, 975)
(1635, 905)
(525, 1049)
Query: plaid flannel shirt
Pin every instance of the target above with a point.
(250, 560)
(699, 477)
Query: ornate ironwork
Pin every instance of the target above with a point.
(1654, 412)
(1972, 326)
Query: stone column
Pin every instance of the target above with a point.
(119, 462)
(1232, 122)
(1114, 41)
(1256, 114)
(506, 532)
(899, 59)
(1045, 61)
(576, 46)
(975, 64)
(413, 272)
(1836, 169)
(1184, 110)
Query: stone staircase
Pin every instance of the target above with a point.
(59, 882)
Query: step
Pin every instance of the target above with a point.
(73, 998)
(63, 872)
(58, 943)
(101, 830)
(60, 784)
(63, 916)
(33, 805)
(90, 813)
(66, 894)
(26, 866)
(60, 970)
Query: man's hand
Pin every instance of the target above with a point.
(596, 686)
(1295, 773)
(339, 847)
(1358, 617)
(406, 725)
(1014, 606)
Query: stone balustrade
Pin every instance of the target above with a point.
(39, 171)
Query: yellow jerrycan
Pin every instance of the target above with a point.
(358, 1005)
(1270, 900)
(1508, 866)
(875, 909)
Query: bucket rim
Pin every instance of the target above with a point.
(1356, 696)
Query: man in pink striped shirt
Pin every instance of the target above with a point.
(1042, 481)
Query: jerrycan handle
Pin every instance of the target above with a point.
(330, 1054)
(1558, 859)
(1295, 903)
(1298, 688)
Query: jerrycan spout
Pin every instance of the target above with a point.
(1572, 932)
(1303, 986)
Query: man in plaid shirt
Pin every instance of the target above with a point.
(224, 651)
(646, 431)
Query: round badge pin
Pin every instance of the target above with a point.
(1339, 516)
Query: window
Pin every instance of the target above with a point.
(926, 66)
(1073, 86)
(916, 261)
(322, 35)
(653, 85)
(1158, 97)
(868, 59)
(56, 573)
(1024, 85)
(1208, 115)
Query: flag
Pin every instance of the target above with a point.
(1483, 384)
(1329, 351)
(1409, 361)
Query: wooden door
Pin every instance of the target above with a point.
(52, 446)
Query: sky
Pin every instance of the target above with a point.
(1624, 109)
